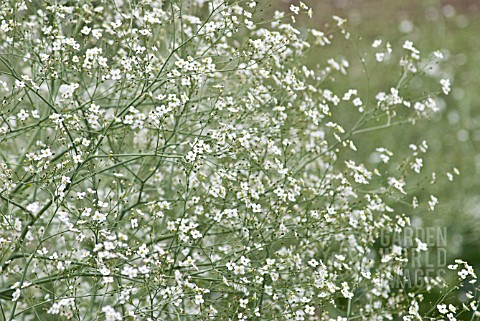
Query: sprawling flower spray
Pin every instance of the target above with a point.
(177, 160)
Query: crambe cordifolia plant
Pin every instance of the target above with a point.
(177, 160)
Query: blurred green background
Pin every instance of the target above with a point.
(454, 134)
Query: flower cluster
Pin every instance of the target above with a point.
(181, 160)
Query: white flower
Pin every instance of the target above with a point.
(397, 184)
(68, 90)
(313, 263)
(199, 299)
(45, 153)
(144, 269)
(310, 310)
(134, 223)
(432, 202)
(130, 271)
(97, 33)
(463, 274)
(77, 158)
(191, 156)
(243, 303)
(438, 54)
(421, 246)
(33, 207)
(417, 165)
(85, 30)
(19, 84)
(23, 114)
(409, 46)
(345, 291)
(99, 217)
(256, 208)
(16, 295)
(116, 74)
(294, 9)
(110, 314)
(376, 43)
(104, 271)
(445, 86)
(143, 251)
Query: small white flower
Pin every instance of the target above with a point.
(345, 291)
(432, 202)
(104, 271)
(130, 271)
(243, 303)
(294, 9)
(110, 314)
(143, 251)
(445, 86)
(77, 159)
(199, 299)
(376, 43)
(421, 246)
(313, 263)
(86, 30)
(33, 207)
(310, 310)
(116, 74)
(16, 295)
(19, 84)
(97, 33)
(99, 217)
(23, 114)
(438, 54)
